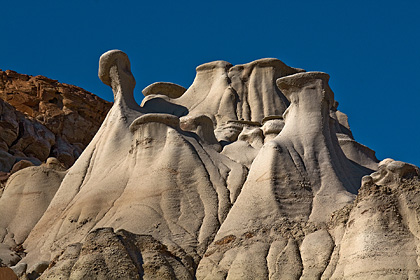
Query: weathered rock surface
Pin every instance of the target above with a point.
(251, 173)
(298, 178)
(48, 118)
(25, 198)
(225, 92)
(7, 274)
(120, 255)
(23, 141)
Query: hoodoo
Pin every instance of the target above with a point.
(250, 173)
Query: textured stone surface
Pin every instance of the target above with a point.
(57, 119)
(169, 89)
(26, 196)
(24, 139)
(120, 255)
(252, 173)
(225, 92)
(7, 274)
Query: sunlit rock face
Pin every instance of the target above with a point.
(46, 118)
(251, 173)
(299, 179)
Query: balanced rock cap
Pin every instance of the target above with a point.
(171, 90)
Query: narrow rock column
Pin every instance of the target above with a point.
(80, 203)
(114, 71)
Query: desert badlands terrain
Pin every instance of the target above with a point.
(250, 173)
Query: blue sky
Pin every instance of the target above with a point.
(371, 49)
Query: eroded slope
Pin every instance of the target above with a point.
(251, 173)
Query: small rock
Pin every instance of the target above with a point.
(7, 273)
(41, 266)
(20, 269)
(54, 163)
(21, 165)
(6, 161)
(169, 89)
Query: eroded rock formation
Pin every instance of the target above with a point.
(47, 118)
(251, 173)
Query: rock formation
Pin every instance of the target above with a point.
(251, 173)
(47, 118)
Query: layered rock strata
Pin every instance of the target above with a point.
(251, 173)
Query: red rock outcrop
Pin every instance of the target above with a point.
(46, 118)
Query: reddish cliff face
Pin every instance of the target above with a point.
(46, 119)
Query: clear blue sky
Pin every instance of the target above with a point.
(371, 49)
